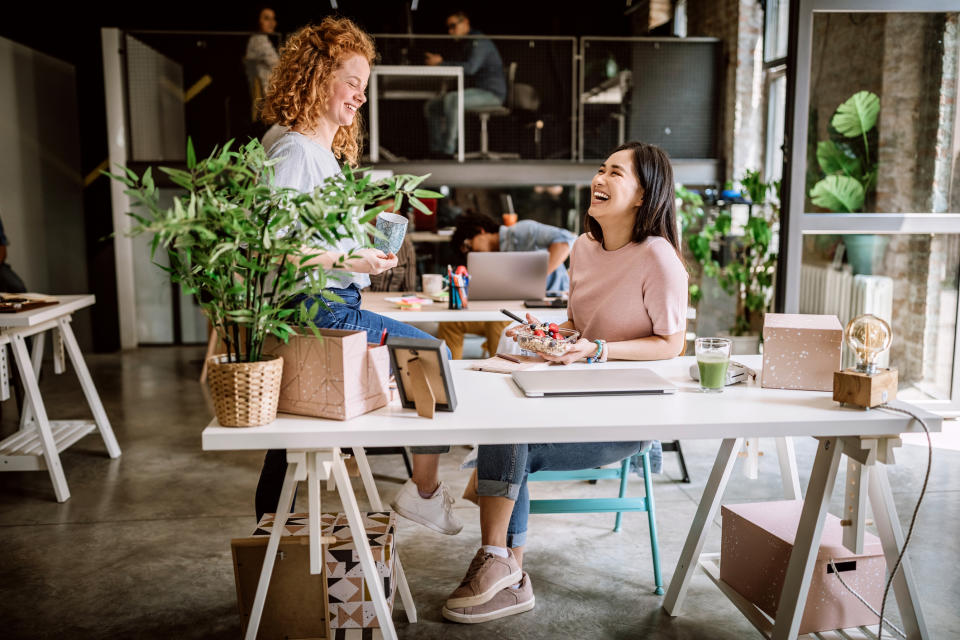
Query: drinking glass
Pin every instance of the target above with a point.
(713, 358)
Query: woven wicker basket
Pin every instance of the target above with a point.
(245, 394)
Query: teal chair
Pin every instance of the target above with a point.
(606, 505)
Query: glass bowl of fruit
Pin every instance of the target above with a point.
(546, 338)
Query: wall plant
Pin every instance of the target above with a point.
(239, 244)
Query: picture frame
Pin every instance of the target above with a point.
(430, 354)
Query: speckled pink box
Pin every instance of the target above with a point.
(756, 541)
(801, 351)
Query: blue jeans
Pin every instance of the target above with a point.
(441, 113)
(502, 470)
(348, 316)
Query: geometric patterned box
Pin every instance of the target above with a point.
(336, 377)
(349, 604)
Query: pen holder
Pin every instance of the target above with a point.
(457, 292)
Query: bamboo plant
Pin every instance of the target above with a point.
(239, 244)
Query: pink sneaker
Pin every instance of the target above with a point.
(486, 576)
(506, 602)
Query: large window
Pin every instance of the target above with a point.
(874, 193)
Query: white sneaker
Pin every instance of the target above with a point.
(435, 512)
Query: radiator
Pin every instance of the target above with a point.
(825, 290)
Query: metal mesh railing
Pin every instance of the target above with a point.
(664, 91)
(539, 126)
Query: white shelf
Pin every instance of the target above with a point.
(23, 451)
(710, 565)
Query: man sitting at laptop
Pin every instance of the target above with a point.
(480, 232)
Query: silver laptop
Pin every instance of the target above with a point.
(591, 382)
(507, 275)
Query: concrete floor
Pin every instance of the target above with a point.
(142, 549)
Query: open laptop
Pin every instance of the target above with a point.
(507, 275)
(547, 383)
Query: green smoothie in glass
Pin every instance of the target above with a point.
(713, 370)
(713, 357)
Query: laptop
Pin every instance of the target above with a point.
(547, 383)
(507, 275)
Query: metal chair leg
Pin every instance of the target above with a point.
(624, 475)
(652, 521)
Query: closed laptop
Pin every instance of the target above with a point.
(591, 382)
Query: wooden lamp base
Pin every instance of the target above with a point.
(865, 390)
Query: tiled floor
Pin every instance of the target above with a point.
(142, 549)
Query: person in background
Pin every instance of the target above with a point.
(10, 282)
(260, 59)
(480, 232)
(484, 84)
(628, 299)
(316, 90)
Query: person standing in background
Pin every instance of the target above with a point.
(260, 59)
(10, 282)
(485, 85)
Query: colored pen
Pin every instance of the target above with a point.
(383, 337)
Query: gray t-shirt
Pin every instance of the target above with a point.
(304, 167)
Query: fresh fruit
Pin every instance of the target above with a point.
(539, 333)
(553, 327)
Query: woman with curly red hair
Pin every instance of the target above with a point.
(316, 91)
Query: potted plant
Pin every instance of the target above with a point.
(850, 173)
(749, 273)
(239, 244)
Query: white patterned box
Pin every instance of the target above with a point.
(801, 351)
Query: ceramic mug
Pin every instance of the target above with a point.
(432, 283)
(394, 227)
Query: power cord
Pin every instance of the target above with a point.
(913, 521)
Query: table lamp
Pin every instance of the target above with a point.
(866, 385)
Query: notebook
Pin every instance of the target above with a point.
(591, 382)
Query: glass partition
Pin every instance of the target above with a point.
(538, 76)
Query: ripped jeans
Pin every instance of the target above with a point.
(349, 316)
(502, 470)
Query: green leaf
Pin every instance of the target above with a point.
(419, 206)
(838, 193)
(191, 154)
(837, 158)
(857, 115)
(426, 193)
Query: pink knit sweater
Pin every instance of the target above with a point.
(634, 292)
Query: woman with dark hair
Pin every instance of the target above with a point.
(260, 59)
(628, 299)
(316, 91)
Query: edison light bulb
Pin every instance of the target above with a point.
(868, 336)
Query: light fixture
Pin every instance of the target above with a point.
(868, 336)
(866, 385)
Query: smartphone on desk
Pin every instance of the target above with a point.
(546, 303)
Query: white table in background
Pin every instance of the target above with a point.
(39, 441)
(417, 71)
(476, 311)
(491, 410)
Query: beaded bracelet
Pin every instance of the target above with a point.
(598, 356)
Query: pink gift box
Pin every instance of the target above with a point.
(756, 541)
(801, 351)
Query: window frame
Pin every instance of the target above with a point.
(795, 222)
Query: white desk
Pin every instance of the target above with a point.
(416, 71)
(477, 310)
(39, 441)
(492, 410)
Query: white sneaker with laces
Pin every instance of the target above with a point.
(435, 512)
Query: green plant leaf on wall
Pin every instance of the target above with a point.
(838, 193)
(857, 115)
(837, 158)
